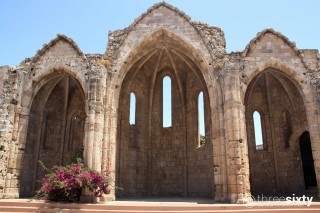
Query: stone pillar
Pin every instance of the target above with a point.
(87, 196)
(89, 138)
(98, 137)
(235, 141)
(95, 125)
(109, 134)
(112, 149)
(109, 141)
(315, 138)
(245, 195)
(18, 143)
(313, 111)
(94, 137)
(9, 147)
(218, 139)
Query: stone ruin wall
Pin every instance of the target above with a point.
(228, 78)
(278, 167)
(8, 143)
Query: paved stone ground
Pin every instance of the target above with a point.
(163, 201)
(154, 205)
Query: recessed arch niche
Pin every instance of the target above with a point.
(275, 166)
(55, 130)
(164, 161)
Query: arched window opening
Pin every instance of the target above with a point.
(258, 130)
(167, 102)
(286, 127)
(201, 121)
(133, 103)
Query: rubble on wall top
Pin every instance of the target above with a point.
(96, 59)
(94, 56)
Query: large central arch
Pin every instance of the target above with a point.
(153, 160)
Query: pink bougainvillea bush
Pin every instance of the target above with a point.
(65, 183)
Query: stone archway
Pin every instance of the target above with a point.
(55, 130)
(153, 160)
(275, 162)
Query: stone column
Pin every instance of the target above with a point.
(94, 137)
(94, 127)
(109, 133)
(112, 149)
(95, 121)
(219, 152)
(98, 137)
(235, 140)
(244, 195)
(87, 196)
(8, 149)
(313, 111)
(89, 138)
(9, 120)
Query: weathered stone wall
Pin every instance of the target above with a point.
(156, 160)
(3, 76)
(199, 157)
(164, 28)
(133, 140)
(9, 143)
(61, 57)
(163, 16)
(168, 163)
(278, 168)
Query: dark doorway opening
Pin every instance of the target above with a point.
(310, 179)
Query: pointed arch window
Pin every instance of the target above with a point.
(201, 121)
(258, 130)
(133, 103)
(166, 102)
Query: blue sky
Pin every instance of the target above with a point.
(257, 128)
(26, 25)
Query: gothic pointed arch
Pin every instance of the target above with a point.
(279, 99)
(55, 130)
(60, 54)
(167, 153)
(295, 76)
(166, 41)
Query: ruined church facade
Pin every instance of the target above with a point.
(63, 103)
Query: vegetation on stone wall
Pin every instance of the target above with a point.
(202, 140)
